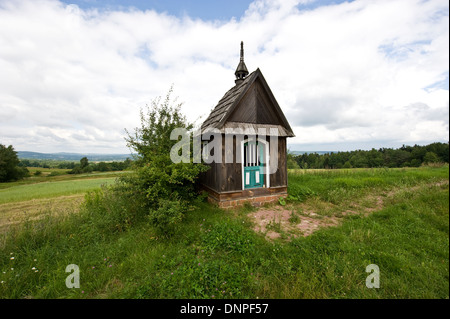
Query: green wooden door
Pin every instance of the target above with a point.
(253, 165)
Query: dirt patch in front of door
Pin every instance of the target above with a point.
(278, 222)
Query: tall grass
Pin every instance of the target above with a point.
(336, 185)
(216, 254)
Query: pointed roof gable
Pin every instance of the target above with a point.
(230, 109)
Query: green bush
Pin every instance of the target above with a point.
(167, 217)
(347, 165)
(157, 189)
(430, 157)
(9, 165)
(166, 189)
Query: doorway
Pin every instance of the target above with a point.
(253, 164)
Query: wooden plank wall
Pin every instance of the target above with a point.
(255, 107)
(231, 174)
(208, 178)
(280, 177)
(223, 177)
(245, 111)
(265, 110)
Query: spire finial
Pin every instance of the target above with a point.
(241, 70)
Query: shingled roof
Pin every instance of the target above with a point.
(225, 103)
(228, 103)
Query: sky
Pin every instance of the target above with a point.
(348, 75)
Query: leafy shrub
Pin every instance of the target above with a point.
(9, 165)
(157, 190)
(167, 217)
(165, 188)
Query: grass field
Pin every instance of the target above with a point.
(397, 219)
(51, 189)
(27, 199)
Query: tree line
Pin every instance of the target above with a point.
(405, 156)
(13, 169)
(92, 166)
(86, 167)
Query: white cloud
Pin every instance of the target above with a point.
(72, 79)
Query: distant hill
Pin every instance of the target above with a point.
(310, 152)
(73, 156)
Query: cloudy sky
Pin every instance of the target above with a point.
(348, 75)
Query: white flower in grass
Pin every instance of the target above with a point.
(11, 258)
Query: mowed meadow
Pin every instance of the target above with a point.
(52, 191)
(316, 243)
